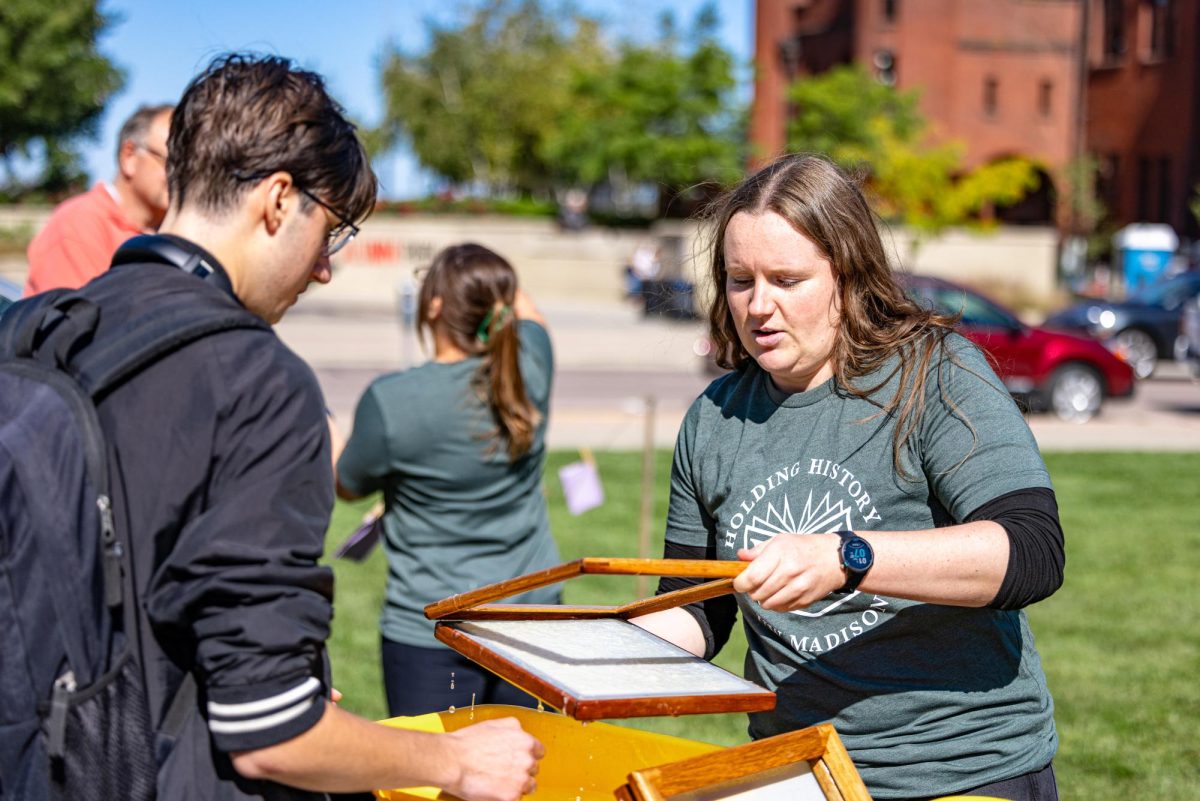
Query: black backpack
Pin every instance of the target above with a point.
(74, 719)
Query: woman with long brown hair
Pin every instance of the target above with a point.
(456, 446)
(887, 494)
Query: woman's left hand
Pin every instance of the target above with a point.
(791, 571)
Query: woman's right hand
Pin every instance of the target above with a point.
(791, 571)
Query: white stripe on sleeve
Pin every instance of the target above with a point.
(258, 724)
(265, 705)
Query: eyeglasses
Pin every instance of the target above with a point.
(152, 151)
(341, 235)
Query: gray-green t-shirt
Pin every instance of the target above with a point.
(928, 699)
(458, 514)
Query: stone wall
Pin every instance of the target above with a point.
(587, 266)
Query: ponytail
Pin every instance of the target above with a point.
(477, 288)
(500, 376)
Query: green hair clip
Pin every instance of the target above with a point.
(481, 333)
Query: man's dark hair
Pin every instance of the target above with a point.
(136, 127)
(248, 116)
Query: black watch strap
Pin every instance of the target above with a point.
(854, 575)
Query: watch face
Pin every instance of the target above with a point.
(857, 554)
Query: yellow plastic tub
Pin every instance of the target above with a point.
(584, 761)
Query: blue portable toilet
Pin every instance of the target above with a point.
(1144, 250)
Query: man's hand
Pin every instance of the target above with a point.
(498, 760)
(791, 571)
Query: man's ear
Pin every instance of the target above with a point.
(125, 156)
(278, 201)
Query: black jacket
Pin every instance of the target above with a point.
(223, 456)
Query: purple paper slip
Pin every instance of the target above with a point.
(581, 486)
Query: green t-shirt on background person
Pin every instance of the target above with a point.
(458, 514)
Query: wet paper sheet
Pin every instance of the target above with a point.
(610, 665)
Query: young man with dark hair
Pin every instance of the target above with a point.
(223, 455)
(79, 238)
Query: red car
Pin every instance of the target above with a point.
(1046, 370)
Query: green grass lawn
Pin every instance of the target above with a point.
(1120, 641)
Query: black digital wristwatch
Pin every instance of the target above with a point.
(856, 557)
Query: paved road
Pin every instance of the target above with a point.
(610, 358)
(605, 409)
(1163, 415)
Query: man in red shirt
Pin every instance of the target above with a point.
(81, 235)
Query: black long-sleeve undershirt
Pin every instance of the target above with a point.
(1036, 553)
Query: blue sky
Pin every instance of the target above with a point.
(161, 44)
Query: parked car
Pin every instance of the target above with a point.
(1143, 328)
(1045, 370)
(1189, 336)
(10, 293)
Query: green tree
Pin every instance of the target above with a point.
(849, 117)
(1088, 215)
(662, 112)
(53, 83)
(1084, 204)
(864, 125)
(527, 99)
(477, 106)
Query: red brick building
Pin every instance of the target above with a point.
(1048, 79)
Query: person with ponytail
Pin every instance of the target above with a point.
(457, 448)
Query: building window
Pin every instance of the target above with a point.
(1114, 30)
(991, 88)
(890, 8)
(1164, 190)
(1143, 189)
(789, 55)
(1157, 19)
(1107, 177)
(1045, 97)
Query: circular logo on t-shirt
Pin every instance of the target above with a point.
(833, 499)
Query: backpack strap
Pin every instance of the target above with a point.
(169, 327)
(57, 323)
(182, 706)
(113, 359)
(57, 329)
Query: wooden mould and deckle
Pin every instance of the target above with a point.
(589, 661)
(805, 765)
